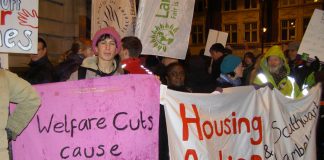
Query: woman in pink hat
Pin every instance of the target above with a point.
(106, 44)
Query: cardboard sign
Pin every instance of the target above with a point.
(313, 40)
(215, 37)
(119, 14)
(19, 26)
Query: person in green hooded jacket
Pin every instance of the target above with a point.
(274, 73)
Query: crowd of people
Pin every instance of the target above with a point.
(108, 54)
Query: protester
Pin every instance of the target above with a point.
(218, 53)
(175, 76)
(41, 69)
(301, 70)
(197, 75)
(16, 90)
(129, 55)
(294, 59)
(160, 68)
(79, 50)
(231, 72)
(106, 44)
(274, 73)
(248, 65)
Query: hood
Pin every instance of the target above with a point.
(90, 62)
(273, 51)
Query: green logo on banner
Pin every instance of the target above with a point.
(163, 35)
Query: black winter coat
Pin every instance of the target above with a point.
(40, 71)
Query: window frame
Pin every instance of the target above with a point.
(288, 3)
(250, 4)
(195, 33)
(230, 33)
(232, 7)
(250, 30)
(288, 29)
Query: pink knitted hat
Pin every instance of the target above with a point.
(108, 30)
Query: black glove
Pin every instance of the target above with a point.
(315, 65)
(269, 85)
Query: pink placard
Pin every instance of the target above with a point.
(106, 118)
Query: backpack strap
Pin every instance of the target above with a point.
(82, 73)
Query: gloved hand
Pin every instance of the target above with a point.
(315, 65)
(264, 85)
(269, 85)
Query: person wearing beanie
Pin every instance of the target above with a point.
(231, 72)
(294, 60)
(106, 44)
(274, 73)
(293, 57)
(300, 69)
(131, 49)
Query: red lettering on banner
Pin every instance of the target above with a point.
(256, 157)
(186, 121)
(228, 126)
(247, 124)
(253, 157)
(234, 122)
(208, 136)
(192, 153)
(4, 13)
(259, 128)
(220, 154)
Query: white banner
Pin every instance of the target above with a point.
(164, 27)
(19, 26)
(252, 124)
(313, 40)
(120, 14)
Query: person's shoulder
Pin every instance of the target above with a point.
(90, 62)
(6, 73)
(8, 76)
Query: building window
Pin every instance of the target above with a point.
(305, 23)
(312, 1)
(231, 29)
(288, 29)
(197, 34)
(287, 2)
(229, 5)
(251, 32)
(199, 6)
(250, 4)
